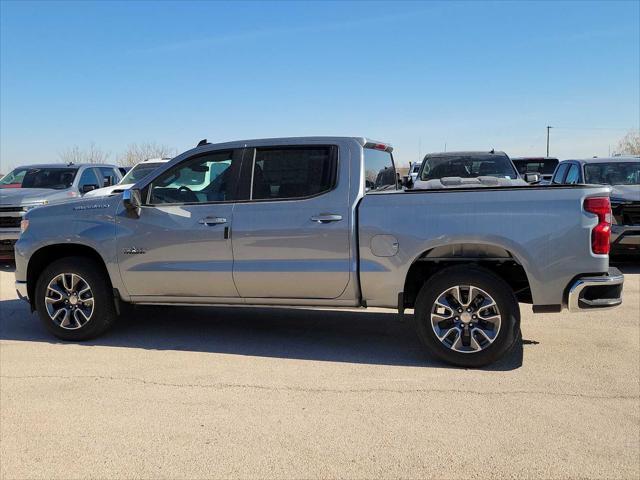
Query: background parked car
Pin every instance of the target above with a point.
(414, 169)
(138, 172)
(543, 166)
(467, 169)
(45, 184)
(623, 174)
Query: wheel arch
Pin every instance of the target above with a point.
(496, 258)
(44, 256)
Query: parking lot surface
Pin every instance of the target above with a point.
(306, 393)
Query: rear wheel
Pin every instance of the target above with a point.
(467, 316)
(74, 299)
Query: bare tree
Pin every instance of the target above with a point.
(137, 152)
(92, 154)
(630, 143)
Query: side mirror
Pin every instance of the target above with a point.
(132, 201)
(89, 187)
(407, 181)
(531, 177)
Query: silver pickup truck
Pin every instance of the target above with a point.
(320, 221)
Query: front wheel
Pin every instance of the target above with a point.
(467, 316)
(74, 300)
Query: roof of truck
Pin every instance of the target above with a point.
(67, 165)
(621, 159)
(465, 153)
(297, 140)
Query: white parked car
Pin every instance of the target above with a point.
(414, 170)
(138, 172)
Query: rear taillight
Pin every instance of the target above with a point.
(601, 233)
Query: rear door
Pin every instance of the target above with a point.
(291, 238)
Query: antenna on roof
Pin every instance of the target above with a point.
(69, 164)
(202, 142)
(493, 150)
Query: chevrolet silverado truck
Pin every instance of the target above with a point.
(320, 221)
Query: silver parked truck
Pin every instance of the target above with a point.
(320, 221)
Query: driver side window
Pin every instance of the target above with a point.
(207, 178)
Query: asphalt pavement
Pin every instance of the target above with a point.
(310, 393)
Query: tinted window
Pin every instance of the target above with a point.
(56, 178)
(559, 175)
(574, 175)
(614, 173)
(467, 166)
(89, 177)
(293, 172)
(379, 171)
(543, 166)
(206, 178)
(109, 175)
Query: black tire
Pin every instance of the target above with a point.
(103, 315)
(494, 286)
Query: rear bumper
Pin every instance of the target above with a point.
(597, 292)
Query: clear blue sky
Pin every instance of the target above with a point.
(419, 75)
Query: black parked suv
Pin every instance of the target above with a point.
(543, 166)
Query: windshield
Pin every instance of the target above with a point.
(14, 177)
(614, 173)
(545, 167)
(467, 166)
(140, 171)
(55, 178)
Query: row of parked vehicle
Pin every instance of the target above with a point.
(42, 184)
(318, 221)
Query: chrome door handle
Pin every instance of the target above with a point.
(212, 221)
(326, 218)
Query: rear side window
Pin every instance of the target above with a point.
(89, 178)
(562, 169)
(379, 170)
(109, 175)
(297, 172)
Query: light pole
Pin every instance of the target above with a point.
(548, 128)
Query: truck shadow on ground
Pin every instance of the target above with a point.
(364, 337)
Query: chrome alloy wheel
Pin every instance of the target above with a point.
(465, 319)
(69, 301)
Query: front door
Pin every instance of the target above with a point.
(180, 245)
(291, 239)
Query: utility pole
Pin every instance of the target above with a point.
(548, 128)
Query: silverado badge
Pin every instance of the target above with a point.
(134, 251)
